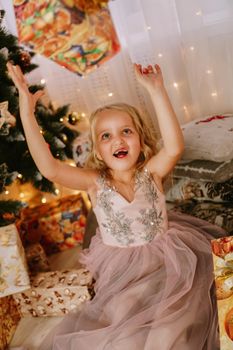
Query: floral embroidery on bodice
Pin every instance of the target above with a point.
(123, 223)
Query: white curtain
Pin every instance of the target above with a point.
(192, 40)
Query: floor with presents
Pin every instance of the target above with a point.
(32, 330)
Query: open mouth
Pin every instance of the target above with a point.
(120, 153)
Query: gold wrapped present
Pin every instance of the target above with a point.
(9, 319)
(55, 293)
(223, 271)
(57, 225)
(13, 267)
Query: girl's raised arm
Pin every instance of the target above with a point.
(173, 142)
(49, 167)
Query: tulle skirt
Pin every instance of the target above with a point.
(158, 296)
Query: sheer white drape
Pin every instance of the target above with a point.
(192, 40)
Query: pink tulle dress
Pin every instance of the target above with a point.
(154, 278)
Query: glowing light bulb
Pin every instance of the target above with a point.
(61, 119)
(110, 94)
(148, 27)
(21, 195)
(57, 191)
(43, 200)
(208, 71)
(83, 114)
(191, 48)
(199, 13)
(214, 94)
(7, 192)
(160, 55)
(72, 163)
(175, 85)
(42, 81)
(20, 176)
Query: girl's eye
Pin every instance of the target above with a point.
(127, 131)
(105, 136)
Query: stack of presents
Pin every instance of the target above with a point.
(28, 287)
(223, 271)
(203, 178)
(203, 187)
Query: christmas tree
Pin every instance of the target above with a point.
(16, 163)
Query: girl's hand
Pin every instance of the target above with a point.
(19, 80)
(150, 77)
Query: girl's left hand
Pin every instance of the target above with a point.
(150, 77)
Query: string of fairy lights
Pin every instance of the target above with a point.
(175, 84)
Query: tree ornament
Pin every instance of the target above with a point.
(73, 118)
(25, 59)
(4, 52)
(64, 137)
(6, 177)
(81, 148)
(58, 143)
(7, 120)
(38, 176)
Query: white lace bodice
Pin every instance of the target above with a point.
(126, 224)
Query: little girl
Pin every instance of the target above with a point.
(154, 275)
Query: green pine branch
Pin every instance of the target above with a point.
(14, 154)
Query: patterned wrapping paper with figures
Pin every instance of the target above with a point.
(9, 319)
(13, 267)
(77, 34)
(223, 270)
(55, 293)
(57, 226)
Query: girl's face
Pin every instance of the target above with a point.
(117, 141)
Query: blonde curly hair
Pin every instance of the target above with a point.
(147, 138)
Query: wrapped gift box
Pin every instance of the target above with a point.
(223, 271)
(57, 225)
(55, 293)
(78, 35)
(13, 267)
(36, 258)
(9, 319)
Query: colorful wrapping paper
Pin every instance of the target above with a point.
(223, 270)
(77, 34)
(55, 293)
(9, 319)
(13, 267)
(57, 225)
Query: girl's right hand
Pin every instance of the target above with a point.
(19, 80)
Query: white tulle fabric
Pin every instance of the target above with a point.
(157, 295)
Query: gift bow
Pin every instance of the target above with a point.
(215, 117)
